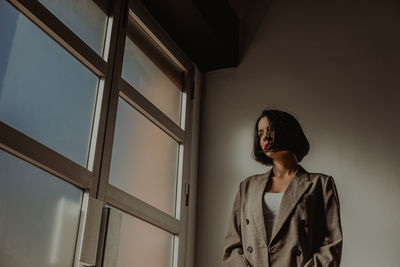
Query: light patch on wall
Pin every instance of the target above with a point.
(240, 150)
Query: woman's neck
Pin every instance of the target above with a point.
(285, 166)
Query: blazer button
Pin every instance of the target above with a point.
(249, 249)
(247, 221)
(303, 222)
(296, 251)
(271, 250)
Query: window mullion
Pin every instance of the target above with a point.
(149, 110)
(141, 209)
(103, 150)
(110, 103)
(43, 157)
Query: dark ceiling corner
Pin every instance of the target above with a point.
(207, 30)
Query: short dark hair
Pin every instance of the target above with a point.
(287, 133)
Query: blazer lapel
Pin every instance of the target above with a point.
(296, 188)
(257, 194)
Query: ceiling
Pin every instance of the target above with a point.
(206, 30)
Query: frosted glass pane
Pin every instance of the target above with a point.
(144, 159)
(142, 244)
(83, 17)
(39, 216)
(151, 82)
(44, 92)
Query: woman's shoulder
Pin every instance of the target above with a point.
(250, 184)
(301, 172)
(255, 178)
(322, 180)
(315, 177)
(253, 181)
(319, 176)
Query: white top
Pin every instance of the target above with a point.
(271, 204)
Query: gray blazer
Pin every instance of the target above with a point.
(307, 231)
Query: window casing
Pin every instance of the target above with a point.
(109, 209)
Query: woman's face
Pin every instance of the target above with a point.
(263, 134)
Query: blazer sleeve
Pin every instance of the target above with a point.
(233, 250)
(330, 252)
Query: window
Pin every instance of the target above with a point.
(45, 92)
(144, 159)
(83, 17)
(146, 75)
(139, 243)
(39, 216)
(95, 110)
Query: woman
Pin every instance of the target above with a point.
(287, 216)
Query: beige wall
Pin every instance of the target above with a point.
(336, 66)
